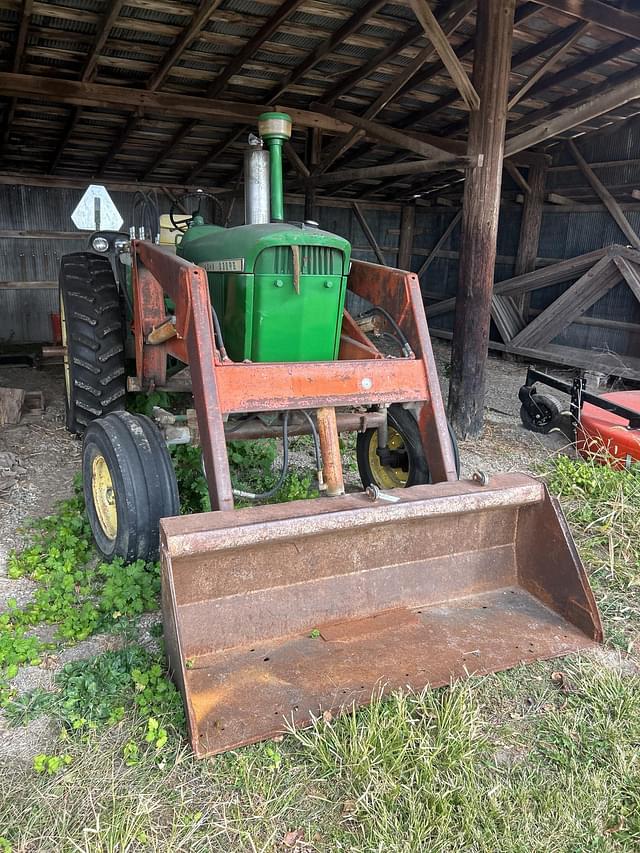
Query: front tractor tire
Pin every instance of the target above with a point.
(409, 466)
(93, 335)
(129, 485)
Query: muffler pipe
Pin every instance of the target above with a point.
(257, 196)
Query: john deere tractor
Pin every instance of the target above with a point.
(285, 611)
(277, 292)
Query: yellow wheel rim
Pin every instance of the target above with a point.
(104, 497)
(63, 328)
(384, 476)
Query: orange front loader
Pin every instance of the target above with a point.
(279, 612)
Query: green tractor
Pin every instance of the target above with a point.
(288, 610)
(277, 291)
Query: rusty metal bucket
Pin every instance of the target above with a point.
(284, 611)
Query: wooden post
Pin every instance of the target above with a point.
(407, 227)
(313, 158)
(481, 206)
(530, 229)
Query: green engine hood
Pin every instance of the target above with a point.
(238, 249)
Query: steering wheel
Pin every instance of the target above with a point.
(184, 224)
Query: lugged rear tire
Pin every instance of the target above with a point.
(93, 333)
(129, 485)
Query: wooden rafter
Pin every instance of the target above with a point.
(357, 20)
(582, 110)
(128, 99)
(466, 48)
(411, 167)
(368, 233)
(354, 77)
(195, 28)
(596, 12)
(16, 65)
(233, 67)
(452, 20)
(317, 55)
(199, 21)
(579, 30)
(103, 29)
(605, 196)
(439, 40)
(426, 145)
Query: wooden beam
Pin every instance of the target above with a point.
(198, 22)
(631, 274)
(326, 47)
(16, 65)
(295, 160)
(596, 12)
(407, 230)
(548, 275)
(531, 221)
(523, 57)
(218, 85)
(313, 151)
(439, 40)
(586, 291)
(352, 78)
(605, 196)
(163, 103)
(481, 205)
(530, 225)
(448, 231)
(610, 98)
(368, 233)
(103, 30)
(131, 186)
(584, 66)
(352, 24)
(547, 65)
(426, 145)
(517, 176)
(449, 23)
(412, 167)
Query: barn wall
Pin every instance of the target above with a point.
(25, 312)
(564, 234)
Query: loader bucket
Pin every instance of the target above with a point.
(285, 611)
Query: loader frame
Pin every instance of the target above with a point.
(360, 377)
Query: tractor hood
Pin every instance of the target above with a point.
(239, 249)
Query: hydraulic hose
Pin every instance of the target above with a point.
(218, 333)
(406, 346)
(263, 496)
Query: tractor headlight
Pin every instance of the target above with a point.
(100, 244)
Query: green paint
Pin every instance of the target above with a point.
(262, 316)
(275, 140)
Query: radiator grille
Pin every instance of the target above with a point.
(314, 260)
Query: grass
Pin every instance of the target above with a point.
(540, 758)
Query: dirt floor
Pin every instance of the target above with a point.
(50, 458)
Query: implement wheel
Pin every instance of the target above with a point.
(541, 413)
(93, 334)
(409, 464)
(129, 485)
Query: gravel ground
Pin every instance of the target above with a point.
(51, 458)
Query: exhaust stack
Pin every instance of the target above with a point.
(257, 199)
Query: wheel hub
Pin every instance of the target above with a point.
(396, 474)
(104, 497)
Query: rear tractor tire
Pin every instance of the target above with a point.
(129, 485)
(91, 317)
(410, 466)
